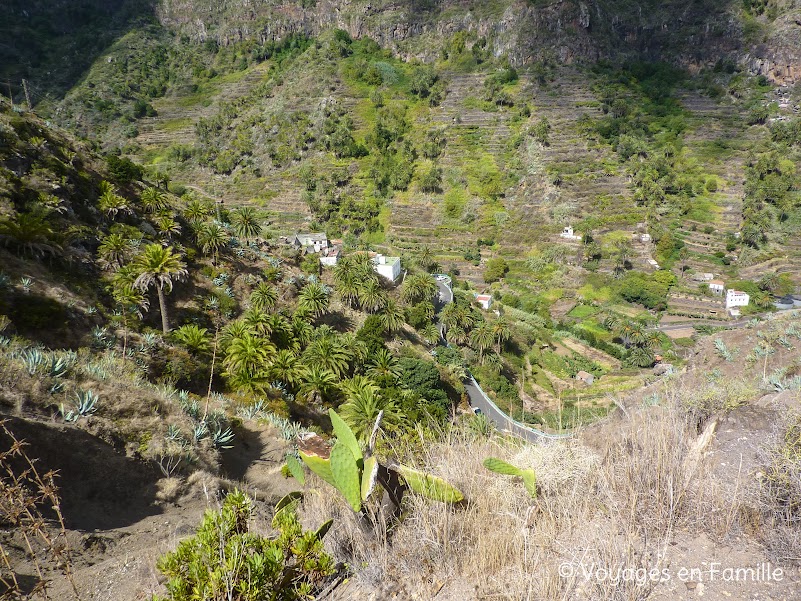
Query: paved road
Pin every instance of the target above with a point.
(479, 400)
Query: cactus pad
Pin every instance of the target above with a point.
(345, 472)
(429, 486)
(501, 467)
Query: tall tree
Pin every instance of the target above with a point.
(212, 237)
(246, 223)
(313, 299)
(158, 266)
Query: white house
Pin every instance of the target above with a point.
(568, 234)
(653, 263)
(645, 238)
(330, 256)
(311, 240)
(388, 267)
(717, 287)
(485, 300)
(735, 298)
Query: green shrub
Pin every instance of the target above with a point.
(224, 560)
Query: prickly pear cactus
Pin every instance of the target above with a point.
(346, 474)
(429, 486)
(499, 466)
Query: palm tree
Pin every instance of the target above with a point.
(430, 334)
(196, 211)
(167, 225)
(110, 202)
(372, 296)
(458, 335)
(159, 266)
(384, 367)
(302, 331)
(212, 237)
(280, 330)
(622, 256)
(29, 233)
(502, 331)
(314, 299)
(286, 367)
(419, 287)
(131, 301)
(425, 259)
(113, 251)
(329, 355)
(482, 338)
(153, 200)
(317, 384)
(361, 410)
(641, 356)
(235, 329)
(264, 297)
(684, 254)
(258, 322)
(348, 291)
(246, 223)
(246, 359)
(354, 348)
(392, 317)
(193, 337)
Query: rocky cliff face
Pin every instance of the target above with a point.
(693, 33)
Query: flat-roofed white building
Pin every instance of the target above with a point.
(717, 286)
(736, 298)
(388, 267)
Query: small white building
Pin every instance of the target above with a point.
(485, 300)
(653, 263)
(310, 241)
(736, 298)
(645, 238)
(388, 267)
(330, 256)
(568, 234)
(717, 286)
(703, 277)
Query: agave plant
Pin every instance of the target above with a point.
(58, 366)
(199, 432)
(85, 404)
(252, 411)
(26, 283)
(192, 409)
(33, 359)
(355, 474)
(221, 438)
(174, 433)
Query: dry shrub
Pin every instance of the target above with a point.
(25, 497)
(615, 511)
(778, 496)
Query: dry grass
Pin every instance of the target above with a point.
(617, 510)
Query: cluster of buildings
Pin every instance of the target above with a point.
(330, 252)
(734, 298)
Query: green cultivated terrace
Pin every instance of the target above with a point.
(328, 299)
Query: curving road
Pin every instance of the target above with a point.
(478, 399)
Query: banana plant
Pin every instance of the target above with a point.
(507, 469)
(355, 473)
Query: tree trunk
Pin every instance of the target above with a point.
(165, 322)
